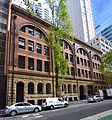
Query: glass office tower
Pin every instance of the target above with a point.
(3, 28)
(102, 13)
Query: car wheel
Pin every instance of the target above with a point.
(51, 107)
(65, 105)
(13, 113)
(36, 110)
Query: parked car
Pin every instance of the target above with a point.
(95, 98)
(21, 107)
(54, 103)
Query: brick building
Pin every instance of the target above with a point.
(30, 75)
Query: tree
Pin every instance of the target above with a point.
(106, 67)
(61, 29)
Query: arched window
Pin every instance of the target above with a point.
(48, 88)
(30, 88)
(69, 88)
(74, 88)
(40, 88)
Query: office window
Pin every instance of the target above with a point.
(88, 63)
(78, 60)
(39, 48)
(85, 64)
(46, 66)
(31, 30)
(82, 73)
(38, 34)
(68, 71)
(21, 62)
(21, 43)
(89, 74)
(81, 61)
(46, 50)
(71, 58)
(66, 56)
(30, 63)
(65, 45)
(30, 46)
(72, 71)
(93, 65)
(39, 65)
(86, 74)
(22, 29)
(79, 73)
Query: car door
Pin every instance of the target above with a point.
(28, 107)
(59, 103)
(20, 108)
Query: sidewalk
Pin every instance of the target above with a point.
(78, 102)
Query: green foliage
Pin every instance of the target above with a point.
(59, 87)
(106, 67)
(60, 30)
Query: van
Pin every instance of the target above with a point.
(54, 103)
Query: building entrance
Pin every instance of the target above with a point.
(20, 92)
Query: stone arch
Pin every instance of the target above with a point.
(20, 92)
(48, 88)
(94, 54)
(84, 50)
(30, 88)
(71, 46)
(40, 88)
(29, 24)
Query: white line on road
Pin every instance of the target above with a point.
(39, 116)
(25, 116)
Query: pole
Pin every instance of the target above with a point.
(13, 52)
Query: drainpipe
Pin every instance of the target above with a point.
(13, 53)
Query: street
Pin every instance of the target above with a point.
(72, 112)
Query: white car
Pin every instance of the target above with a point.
(21, 107)
(54, 103)
(95, 98)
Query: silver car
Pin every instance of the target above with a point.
(95, 98)
(21, 107)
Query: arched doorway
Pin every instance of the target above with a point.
(20, 92)
(82, 96)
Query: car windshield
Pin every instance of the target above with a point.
(60, 99)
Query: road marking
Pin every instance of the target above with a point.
(39, 116)
(25, 116)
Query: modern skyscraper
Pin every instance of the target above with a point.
(3, 28)
(39, 7)
(81, 17)
(102, 12)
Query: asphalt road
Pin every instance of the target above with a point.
(72, 112)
